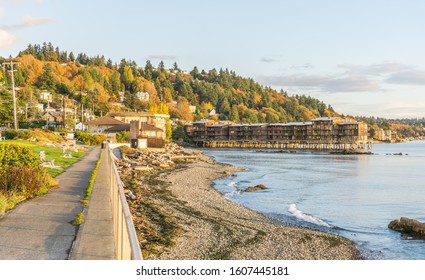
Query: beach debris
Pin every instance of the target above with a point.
(129, 194)
(150, 159)
(255, 188)
(408, 226)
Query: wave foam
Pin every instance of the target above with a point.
(232, 184)
(232, 194)
(305, 217)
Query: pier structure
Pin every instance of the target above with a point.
(334, 134)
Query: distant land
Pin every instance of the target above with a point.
(102, 86)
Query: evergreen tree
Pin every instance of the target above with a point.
(46, 80)
(234, 114)
(161, 66)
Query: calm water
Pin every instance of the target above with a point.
(355, 196)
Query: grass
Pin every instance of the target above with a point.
(79, 219)
(52, 153)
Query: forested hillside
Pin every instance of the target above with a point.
(97, 83)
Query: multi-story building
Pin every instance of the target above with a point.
(333, 132)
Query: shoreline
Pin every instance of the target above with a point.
(212, 227)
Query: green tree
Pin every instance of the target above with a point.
(224, 108)
(46, 80)
(234, 114)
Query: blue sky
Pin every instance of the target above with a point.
(362, 57)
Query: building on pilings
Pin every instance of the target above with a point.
(333, 133)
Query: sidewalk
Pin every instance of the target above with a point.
(41, 229)
(95, 238)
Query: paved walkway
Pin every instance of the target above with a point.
(40, 229)
(95, 239)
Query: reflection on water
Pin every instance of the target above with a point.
(357, 195)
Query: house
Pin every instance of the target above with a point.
(192, 109)
(143, 135)
(39, 107)
(53, 119)
(212, 112)
(142, 96)
(100, 124)
(157, 120)
(150, 131)
(80, 126)
(45, 95)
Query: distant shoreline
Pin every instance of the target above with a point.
(216, 228)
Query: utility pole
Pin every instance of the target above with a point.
(11, 63)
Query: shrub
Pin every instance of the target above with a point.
(21, 176)
(89, 139)
(12, 134)
(122, 137)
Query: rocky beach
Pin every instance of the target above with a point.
(180, 216)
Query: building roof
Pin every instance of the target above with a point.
(118, 128)
(326, 119)
(105, 120)
(148, 127)
(202, 121)
(346, 123)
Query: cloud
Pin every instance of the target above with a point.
(375, 69)
(304, 66)
(162, 57)
(6, 39)
(1, 11)
(268, 60)
(351, 83)
(28, 21)
(412, 77)
(355, 78)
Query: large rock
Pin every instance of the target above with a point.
(256, 188)
(408, 226)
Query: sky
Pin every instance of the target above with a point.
(362, 57)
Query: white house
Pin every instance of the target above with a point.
(80, 126)
(143, 96)
(45, 95)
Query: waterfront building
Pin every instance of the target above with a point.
(334, 133)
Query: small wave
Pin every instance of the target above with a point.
(305, 217)
(232, 194)
(232, 184)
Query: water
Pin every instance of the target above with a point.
(354, 196)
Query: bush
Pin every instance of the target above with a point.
(12, 134)
(89, 139)
(122, 137)
(21, 176)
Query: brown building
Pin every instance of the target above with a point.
(143, 135)
(334, 132)
(157, 120)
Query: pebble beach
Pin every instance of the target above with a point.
(213, 227)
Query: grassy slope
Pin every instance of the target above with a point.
(51, 153)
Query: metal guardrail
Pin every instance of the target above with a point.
(127, 245)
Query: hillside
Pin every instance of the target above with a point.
(98, 84)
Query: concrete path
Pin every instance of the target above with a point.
(95, 239)
(41, 229)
